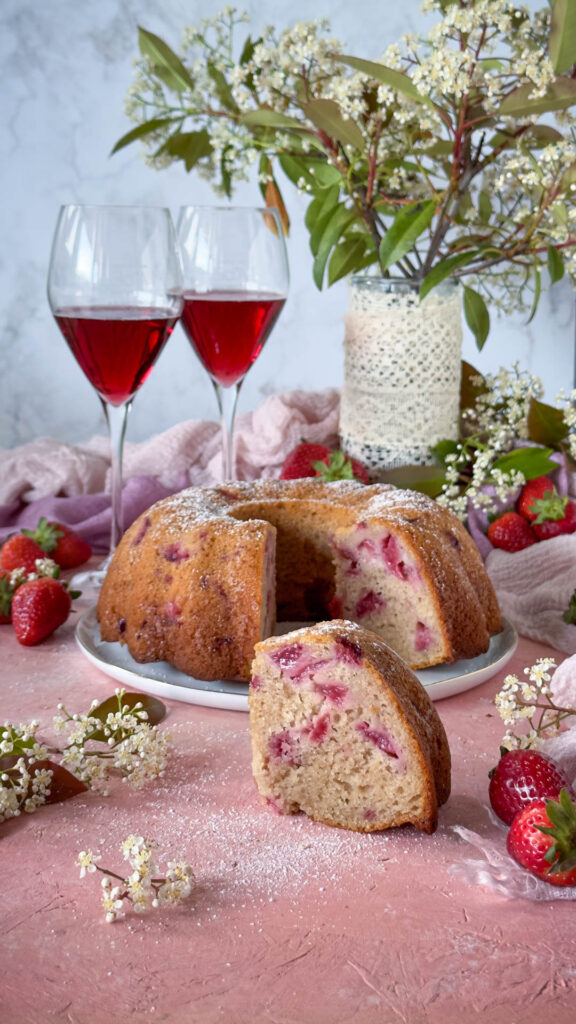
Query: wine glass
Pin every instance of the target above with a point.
(115, 290)
(235, 270)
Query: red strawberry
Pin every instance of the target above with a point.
(553, 525)
(309, 459)
(542, 838)
(511, 532)
(534, 491)
(38, 608)
(20, 552)
(61, 543)
(522, 776)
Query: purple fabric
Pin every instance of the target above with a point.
(87, 514)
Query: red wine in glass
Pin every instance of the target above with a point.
(235, 276)
(115, 290)
(228, 330)
(116, 347)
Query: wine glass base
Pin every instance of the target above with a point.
(90, 580)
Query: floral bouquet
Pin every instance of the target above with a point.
(450, 156)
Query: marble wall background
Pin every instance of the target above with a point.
(66, 67)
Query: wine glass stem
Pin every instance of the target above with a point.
(227, 399)
(116, 418)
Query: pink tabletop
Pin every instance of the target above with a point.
(292, 922)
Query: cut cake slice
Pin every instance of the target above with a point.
(343, 730)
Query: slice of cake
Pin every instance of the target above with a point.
(343, 730)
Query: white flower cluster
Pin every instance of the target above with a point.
(501, 183)
(22, 786)
(530, 701)
(135, 748)
(499, 418)
(124, 741)
(144, 887)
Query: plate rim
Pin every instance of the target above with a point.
(233, 696)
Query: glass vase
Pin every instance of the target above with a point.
(402, 371)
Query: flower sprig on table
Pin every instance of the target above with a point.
(439, 159)
(144, 887)
(118, 735)
(530, 702)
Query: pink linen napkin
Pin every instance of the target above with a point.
(68, 482)
(534, 587)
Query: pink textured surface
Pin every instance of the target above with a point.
(292, 922)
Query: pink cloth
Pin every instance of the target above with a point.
(534, 587)
(68, 482)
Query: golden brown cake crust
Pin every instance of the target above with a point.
(425, 742)
(191, 575)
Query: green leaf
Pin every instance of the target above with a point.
(325, 174)
(560, 95)
(142, 129)
(485, 207)
(223, 90)
(442, 449)
(188, 146)
(537, 292)
(444, 269)
(397, 80)
(569, 615)
(555, 265)
(477, 315)
(271, 119)
(427, 479)
(546, 424)
(569, 177)
(562, 38)
(406, 227)
(317, 217)
(532, 462)
(327, 116)
(166, 64)
(339, 220)
(346, 258)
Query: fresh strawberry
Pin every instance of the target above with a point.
(309, 459)
(535, 490)
(20, 552)
(63, 545)
(522, 776)
(511, 532)
(7, 591)
(557, 523)
(38, 607)
(542, 838)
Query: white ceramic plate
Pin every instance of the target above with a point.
(162, 680)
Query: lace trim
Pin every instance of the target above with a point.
(402, 368)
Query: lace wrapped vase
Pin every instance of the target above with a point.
(402, 371)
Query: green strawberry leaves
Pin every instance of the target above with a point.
(562, 815)
(338, 467)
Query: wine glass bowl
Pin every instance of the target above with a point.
(235, 271)
(115, 290)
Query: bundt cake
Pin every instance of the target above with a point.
(201, 576)
(343, 730)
